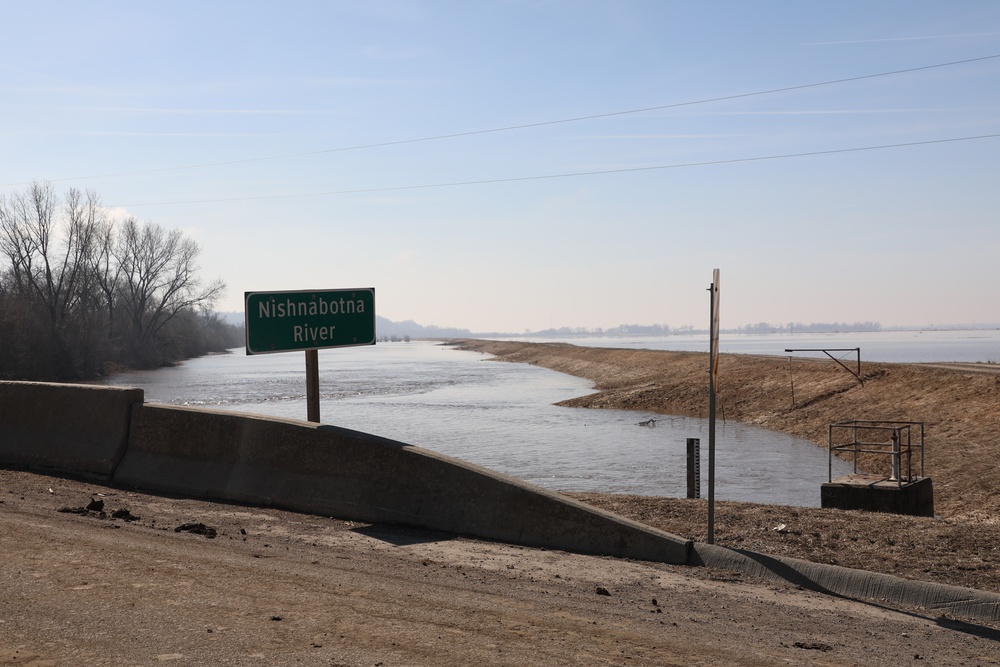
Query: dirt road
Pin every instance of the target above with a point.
(277, 588)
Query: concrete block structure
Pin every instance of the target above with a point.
(73, 428)
(875, 493)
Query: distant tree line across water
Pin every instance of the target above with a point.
(387, 330)
(82, 294)
(814, 327)
(623, 330)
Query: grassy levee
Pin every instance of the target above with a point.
(959, 404)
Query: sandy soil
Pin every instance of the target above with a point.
(145, 580)
(175, 581)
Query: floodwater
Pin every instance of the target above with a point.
(501, 416)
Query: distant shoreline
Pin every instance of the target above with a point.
(965, 346)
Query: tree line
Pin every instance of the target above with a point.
(623, 330)
(83, 294)
(812, 327)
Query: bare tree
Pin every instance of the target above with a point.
(87, 241)
(158, 280)
(78, 290)
(47, 266)
(50, 254)
(26, 231)
(106, 272)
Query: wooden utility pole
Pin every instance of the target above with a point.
(312, 385)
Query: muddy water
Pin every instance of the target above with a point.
(501, 416)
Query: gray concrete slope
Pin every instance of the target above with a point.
(76, 429)
(854, 584)
(109, 434)
(337, 472)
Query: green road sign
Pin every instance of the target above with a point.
(288, 321)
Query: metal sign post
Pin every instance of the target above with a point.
(713, 385)
(309, 320)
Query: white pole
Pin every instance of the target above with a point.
(713, 382)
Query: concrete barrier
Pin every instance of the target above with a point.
(108, 433)
(73, 429)
(337, 472)
(855, 584)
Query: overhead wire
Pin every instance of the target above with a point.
(524, 126)
(622, 170)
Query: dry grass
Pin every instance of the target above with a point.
(958, 404)
(955, 552)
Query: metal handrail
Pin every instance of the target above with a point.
(901, 445)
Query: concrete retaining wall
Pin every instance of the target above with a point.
(856, 584)
(110, 434)
(338, 472)
(77, 429)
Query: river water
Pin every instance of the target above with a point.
(501, 416)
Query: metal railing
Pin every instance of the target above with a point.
(901, 442)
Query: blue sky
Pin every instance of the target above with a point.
(296, 142)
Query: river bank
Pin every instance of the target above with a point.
(957, 404)
(111, 576)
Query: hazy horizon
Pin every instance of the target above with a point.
(237, 316)
(525, 166)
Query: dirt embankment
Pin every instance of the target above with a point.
(960, 407)
(958, 404)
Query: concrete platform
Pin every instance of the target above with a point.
(876, 493)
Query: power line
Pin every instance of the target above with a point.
(514, 179)
(546, 123)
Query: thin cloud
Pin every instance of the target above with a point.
(191, 112)
(396, 53)
(915, 38)
(361, 81)
(834, 112)
(664, 136)
(119, 133)
(403, 258)
(159, 90)
(118, 212)
(394, 10)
